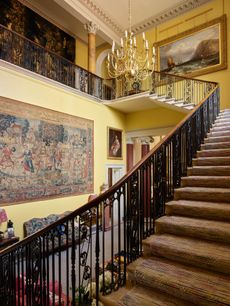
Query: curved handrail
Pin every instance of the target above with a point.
(112, 189)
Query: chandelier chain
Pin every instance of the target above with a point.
(130, 17)
(127, 60)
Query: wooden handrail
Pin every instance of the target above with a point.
(110, 191)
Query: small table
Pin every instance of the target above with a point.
(5, 242)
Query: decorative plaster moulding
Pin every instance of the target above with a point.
(170, 13)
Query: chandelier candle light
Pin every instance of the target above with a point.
(129, 62)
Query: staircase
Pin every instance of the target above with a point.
(187, 261)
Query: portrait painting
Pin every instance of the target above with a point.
(114, 143)
(198, 51)
(43, 153)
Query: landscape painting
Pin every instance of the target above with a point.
(43, 153)
(195, 52)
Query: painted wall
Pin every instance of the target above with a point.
(81, 54)
(24, 88)
(190, 20)
(153, 118)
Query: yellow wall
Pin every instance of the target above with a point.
(17, 86)
(190, 20)
(81, 54)
(153, 118)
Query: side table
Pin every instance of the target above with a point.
(5, 242)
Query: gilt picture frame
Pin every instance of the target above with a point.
(114, 143)
(198, 51)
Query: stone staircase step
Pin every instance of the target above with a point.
(220, 133)
(189, 106)
(206, 181)
(209, 170)
(197, 228)
(217, 139)
(199, 209)
(221, 124)
(219, 129)
(209, 161)
(193, 252)
(215, 145)
(142, 296)
(203, 194)
(213, 152)
(223, 120)
(224, 116)
(191, 284)
(224, 111)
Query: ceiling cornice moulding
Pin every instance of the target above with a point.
(170, 13)
(102, 15)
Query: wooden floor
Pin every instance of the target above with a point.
(187, 261)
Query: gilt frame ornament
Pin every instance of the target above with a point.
(198, 51)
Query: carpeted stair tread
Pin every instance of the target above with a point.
(209, 170)
(206, 181)
(203, 194)
(199, 228)
(215, 145)
(213, 152)
(223, 124)
(215, 139)
(219, 127)
(194, 285)
(143, 296)
(209, 161)
(219, 133)
(199, 209)
(192, 252)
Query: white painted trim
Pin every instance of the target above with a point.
(149, 132)
(114, 166)
(100, 60)
(47, 81)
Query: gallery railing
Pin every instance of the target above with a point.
(20, 51)
(180, 88)
(86, 253)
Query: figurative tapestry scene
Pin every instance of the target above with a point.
(43, 153)
(194, 52)
(19, 18)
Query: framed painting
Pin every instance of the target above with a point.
(114, 143)
(198, 51)
(43, 153)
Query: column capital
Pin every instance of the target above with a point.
(91, 27)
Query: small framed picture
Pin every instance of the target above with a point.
(114, 143)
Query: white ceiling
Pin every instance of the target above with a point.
(110, 15)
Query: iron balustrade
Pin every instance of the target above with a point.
(180, 88)
(79, 257)
(20, 51)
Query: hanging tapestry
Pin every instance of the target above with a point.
(43, 153)
(19, 18)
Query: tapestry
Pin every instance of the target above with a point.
(43, 153)
(19, 18)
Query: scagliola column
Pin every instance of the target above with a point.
(92, 29)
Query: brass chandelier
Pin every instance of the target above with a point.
(126, 61)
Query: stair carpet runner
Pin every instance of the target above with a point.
(187, 261)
